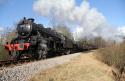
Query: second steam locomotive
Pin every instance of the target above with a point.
(35, 41)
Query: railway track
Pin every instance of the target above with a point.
(23, 61)
(13, 63)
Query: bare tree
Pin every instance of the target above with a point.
(6, 35)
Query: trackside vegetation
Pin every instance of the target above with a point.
(114, 56)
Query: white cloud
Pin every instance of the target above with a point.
(88, 20)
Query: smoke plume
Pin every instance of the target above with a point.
(85, 21)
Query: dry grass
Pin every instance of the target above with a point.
(83, 68)
(3, 53)
(114, 56)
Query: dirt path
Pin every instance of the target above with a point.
(85, 67)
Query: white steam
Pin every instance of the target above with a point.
(84, 20)
(121, 31)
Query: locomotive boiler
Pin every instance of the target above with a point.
(35, 41)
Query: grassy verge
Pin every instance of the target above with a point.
(114, 55)
(3, 53)
(83, 68)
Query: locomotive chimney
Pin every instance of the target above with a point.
(31, 20)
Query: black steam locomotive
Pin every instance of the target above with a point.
(35, 41)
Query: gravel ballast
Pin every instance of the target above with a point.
(25, 71)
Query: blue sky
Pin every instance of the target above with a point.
(12, 11)
(113, 10)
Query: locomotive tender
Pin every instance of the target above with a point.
(35, 41)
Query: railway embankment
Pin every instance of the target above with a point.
(85, 67)
(26, 71)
